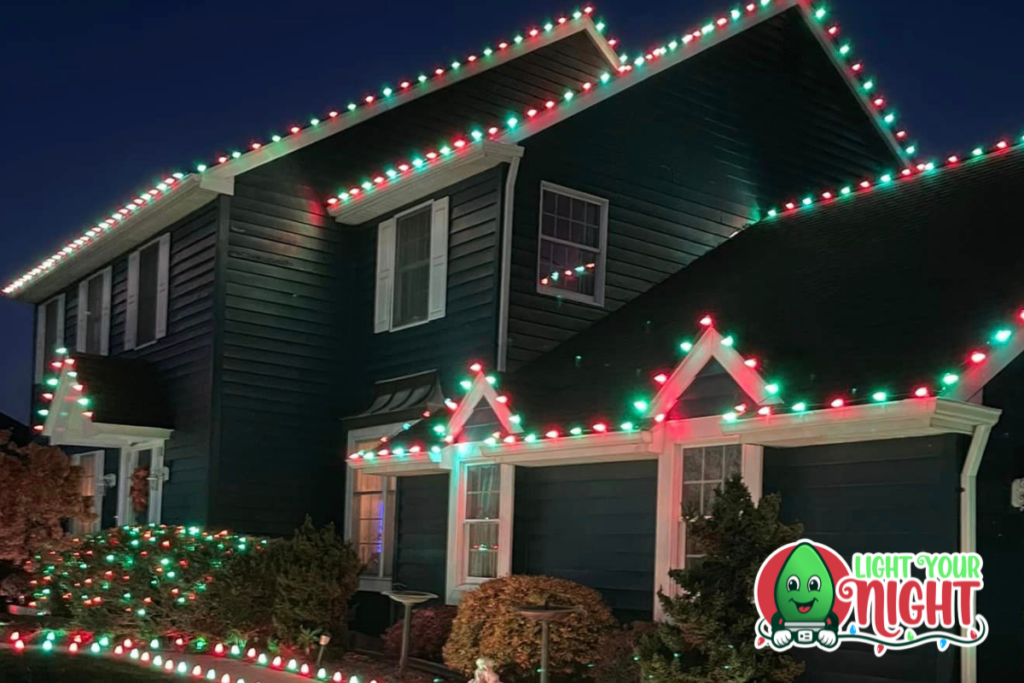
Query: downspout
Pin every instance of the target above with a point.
(969, 526)
(506, 262)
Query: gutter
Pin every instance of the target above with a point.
(506, 262)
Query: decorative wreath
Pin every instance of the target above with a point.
(140, 489)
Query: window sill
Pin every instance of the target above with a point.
(408, 326)
(371, 584)
(575, 297)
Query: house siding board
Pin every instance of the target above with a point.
(711, 143)
(282, 354)
(182, 359)
(604, 536)
(885, 496)
(1000, 530)
(422, 533)
(469, 328)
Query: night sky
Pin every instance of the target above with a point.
(99, 99)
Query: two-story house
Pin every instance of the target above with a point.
(237, 331)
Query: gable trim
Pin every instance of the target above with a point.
(482, 391)
(710, 345)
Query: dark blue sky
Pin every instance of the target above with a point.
(98, 99)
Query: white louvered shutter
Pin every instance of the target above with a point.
(385, 276)
(438, 259)
(83, 317)
(162, 286)
(108, 276)
(131, 323)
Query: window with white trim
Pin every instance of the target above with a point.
(412, 267)
(571, 245)
(94, 313)
(373, 522)
(148, 275)
(483, 498)
(49, 332)
(705, 469)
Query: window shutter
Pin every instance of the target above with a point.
(163, 275)
(132, 316)
(105, 325)
(385, 275)
(83, 313)
(60, 323)
(40, 341)
(438, 259)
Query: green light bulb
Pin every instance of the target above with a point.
(950, 378)
(879, 396)
(799, 407)
(686, 346)
(576, 431)
(772, 388)
(1003, 336)
(641, 406)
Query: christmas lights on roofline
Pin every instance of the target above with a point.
(890, 178)
(77, 399)
(866, 87)
(387, 93)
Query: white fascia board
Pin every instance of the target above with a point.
(401, 191)
(191, 193)
(873, 422)
(411, 467)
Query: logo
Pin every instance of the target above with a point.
(808, 596)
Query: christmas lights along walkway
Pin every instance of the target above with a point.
(409, 88)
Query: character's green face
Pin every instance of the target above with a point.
(804, 590)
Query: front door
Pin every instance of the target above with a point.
(140, 484)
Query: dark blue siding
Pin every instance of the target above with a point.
(422, 533)
(593, 524)
(884, 496)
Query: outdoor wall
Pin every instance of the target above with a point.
(1001, 531)
(883, 496)
(593, 524)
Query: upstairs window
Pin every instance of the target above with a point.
(412, 267)
(571, 245)
(94, 314)
(49, 332)
(148, 271)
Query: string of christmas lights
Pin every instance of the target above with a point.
(889, 178)
(76, 399)
(172, 655)
(866, 86)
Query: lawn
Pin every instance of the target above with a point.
(34, 667)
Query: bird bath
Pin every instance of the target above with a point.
(407, 598)
(545, 615)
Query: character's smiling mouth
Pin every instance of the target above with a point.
(804, 607)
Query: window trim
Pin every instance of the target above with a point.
(162, 293)
(670, 539)
(41, 351)
(158, 473)
(598, 298)
(99, 491)
(82, 323)
(379, 583)
(458, 579)
(387, 246)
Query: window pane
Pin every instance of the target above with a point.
(713, 463)
(92, 308)
(691, 497)
(569, 260)
(483, 485)
(412, 268)
(483, 550)
(50, 342)
(88, 464)
(710, 493)
(733, 461)
(149, 259)
(693, 464)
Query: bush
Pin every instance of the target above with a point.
(430, 629)
(710, 632)
(40, 488)
(239, 604)
(487, 626)
(316, 574)
(617, 661)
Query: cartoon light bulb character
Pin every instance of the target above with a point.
(804, 596)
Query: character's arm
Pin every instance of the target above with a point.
(781, 635)
(832, 622)
(778, 623)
